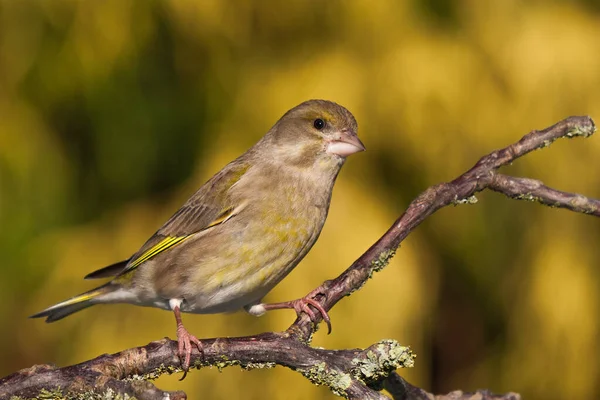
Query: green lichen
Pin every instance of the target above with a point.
(46, 394)
(526, 197)
(580, 203)
(584, 131)
(258, 365)
(381, 359)
(376, 265)
(383, 260)
(309, 339)
(468, 200)
(157, 372)
(225, 362)
(57, 394)
(50, 394)
(337, 381)
(109, 394)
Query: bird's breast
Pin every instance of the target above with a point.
(238, 262)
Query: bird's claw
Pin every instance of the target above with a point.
(185, 340)
(302, 306)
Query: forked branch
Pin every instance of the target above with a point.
(355, 374)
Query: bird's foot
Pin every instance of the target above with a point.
(185, 341)
(302, 305)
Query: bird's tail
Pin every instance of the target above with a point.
(77, 303)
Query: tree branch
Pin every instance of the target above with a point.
(402, 390)
(461, 190)
(355, 374)
(534, 190)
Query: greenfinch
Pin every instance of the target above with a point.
(242, 232)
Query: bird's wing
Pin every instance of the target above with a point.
(107, 272)
(208, 207)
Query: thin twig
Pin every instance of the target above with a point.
(482, 176)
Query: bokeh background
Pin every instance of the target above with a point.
(113, 112)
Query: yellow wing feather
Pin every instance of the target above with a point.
(171, 241)
(161, 246)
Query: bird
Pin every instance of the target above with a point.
(241, 233)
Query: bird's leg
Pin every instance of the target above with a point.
(184, 339)
(299, 305)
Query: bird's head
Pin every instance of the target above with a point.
(316, 130)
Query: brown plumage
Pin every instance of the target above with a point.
(243, 231)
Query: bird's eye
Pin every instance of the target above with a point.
(319, 124)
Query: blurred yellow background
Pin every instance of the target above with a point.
(113, 112)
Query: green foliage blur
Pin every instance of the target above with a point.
(113, 112)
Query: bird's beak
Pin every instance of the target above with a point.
(344, 144)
